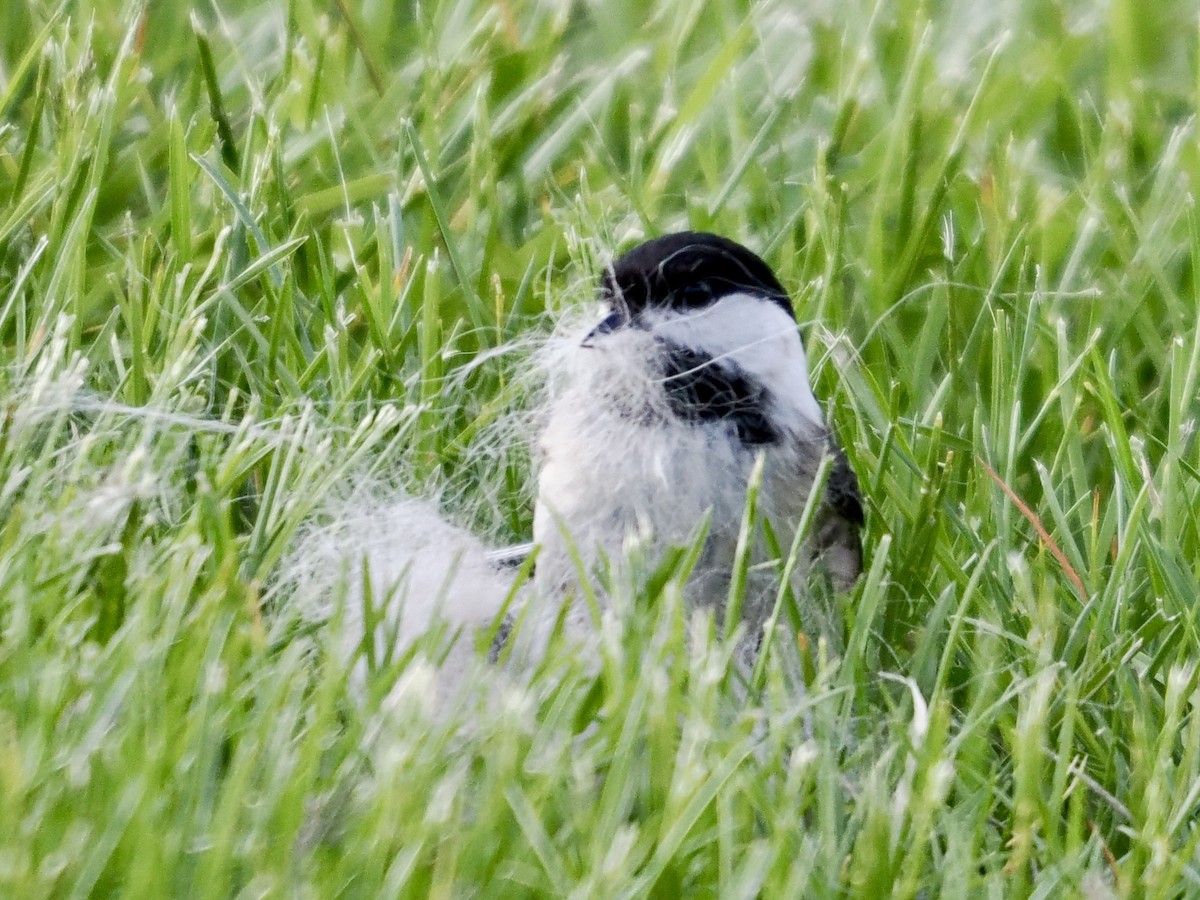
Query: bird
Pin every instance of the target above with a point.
(656, 408)
(656, 411)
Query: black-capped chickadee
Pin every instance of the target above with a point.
(655, 418)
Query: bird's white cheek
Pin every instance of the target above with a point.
(783, 369)
(761, 339)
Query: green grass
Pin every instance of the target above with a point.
(251, 254)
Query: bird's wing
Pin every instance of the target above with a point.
(838, 544)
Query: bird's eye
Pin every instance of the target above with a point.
(696, 293)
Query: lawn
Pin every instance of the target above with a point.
(260, 259)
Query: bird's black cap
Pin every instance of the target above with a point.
(688, 270)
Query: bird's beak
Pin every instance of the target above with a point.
(608, 325)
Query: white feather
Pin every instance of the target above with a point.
(423, 570)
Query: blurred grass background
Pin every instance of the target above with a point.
(251, 251)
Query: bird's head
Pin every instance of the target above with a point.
(682, 274)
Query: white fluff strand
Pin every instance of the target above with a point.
(423, 572)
